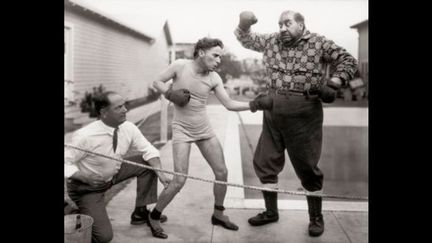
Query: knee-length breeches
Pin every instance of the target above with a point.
(294, 124)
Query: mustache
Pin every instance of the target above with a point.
(286, 34)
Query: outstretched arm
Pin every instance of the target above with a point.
(226, 101)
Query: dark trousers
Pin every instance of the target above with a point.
(295, 124)
(91, 200)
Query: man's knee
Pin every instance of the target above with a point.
(102, 229)
(178, 183)
(104, 236)
(312, 184)
(221, 174)
(269, 179)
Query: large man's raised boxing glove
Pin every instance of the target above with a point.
(261, 102)
(247, 18)
(179, 97)
(328, 91)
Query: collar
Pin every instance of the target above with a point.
(306, 35)
(105, 127)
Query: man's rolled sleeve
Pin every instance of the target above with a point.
(152, 152)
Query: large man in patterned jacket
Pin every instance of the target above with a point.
(294, 59)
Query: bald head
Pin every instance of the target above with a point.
(296, 16)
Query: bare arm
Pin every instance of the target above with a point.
(226, 101)
(165, 76)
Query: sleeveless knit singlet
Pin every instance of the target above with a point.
(190, 123)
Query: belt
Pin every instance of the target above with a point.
(286, 92)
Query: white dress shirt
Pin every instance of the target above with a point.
(98, 137)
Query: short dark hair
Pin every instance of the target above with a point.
(101, 101)
(205, 44)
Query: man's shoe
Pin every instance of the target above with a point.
(156, 232)
(316, 226)
(226, 224)
(138, 218)
(264, 218)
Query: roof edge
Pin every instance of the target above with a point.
(356, 26)
(85, 9)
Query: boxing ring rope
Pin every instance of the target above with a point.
(306, 193)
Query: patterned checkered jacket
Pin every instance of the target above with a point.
(301, 66)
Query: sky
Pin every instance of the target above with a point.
(190, 20)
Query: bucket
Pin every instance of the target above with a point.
(80, 234)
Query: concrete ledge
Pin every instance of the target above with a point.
(297, 205)
(353, 117)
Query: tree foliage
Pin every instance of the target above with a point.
(229, 67)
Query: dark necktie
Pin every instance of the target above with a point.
(115, 139)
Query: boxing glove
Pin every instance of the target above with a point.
(261, 102)
(247, 18)
(328, 91)
(179, 97)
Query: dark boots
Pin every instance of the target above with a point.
(271, 214)
(316, 221)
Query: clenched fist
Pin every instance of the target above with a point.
(328, 91)
(247, 18)
(327, 94)
(261, 102)
(179, 97)
(164, 180)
